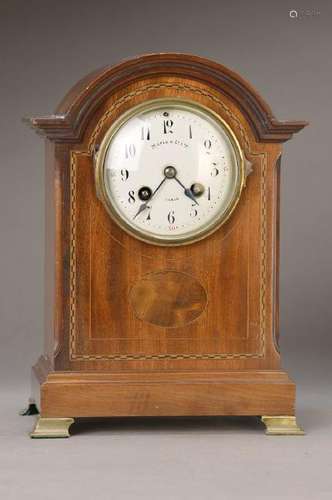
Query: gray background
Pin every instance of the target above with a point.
(46, 46)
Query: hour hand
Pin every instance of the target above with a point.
(187, 191)
(190, 195)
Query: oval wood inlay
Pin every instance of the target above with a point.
(168, 298)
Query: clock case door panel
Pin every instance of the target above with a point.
(231, 265)
(109, 265)
(219, 312)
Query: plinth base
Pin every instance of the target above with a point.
(63, 396)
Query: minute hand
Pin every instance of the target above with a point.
(187, 191)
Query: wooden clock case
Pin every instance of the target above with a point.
(135, 329)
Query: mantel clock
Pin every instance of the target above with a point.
(162, 248)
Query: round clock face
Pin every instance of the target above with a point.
(169, 172)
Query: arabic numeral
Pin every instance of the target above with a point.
(131, 197)
(214, 172)
(171, 217)
(124, 174)
(168, 124)
(193, 211)
(130, 151)
(207, 144)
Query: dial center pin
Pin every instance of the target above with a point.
(170, 172)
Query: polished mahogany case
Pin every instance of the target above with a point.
(136, 329)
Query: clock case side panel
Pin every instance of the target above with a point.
(56, 258)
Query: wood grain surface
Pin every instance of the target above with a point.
(117, 305)
(168, 298)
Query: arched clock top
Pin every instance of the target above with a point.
(69, 122)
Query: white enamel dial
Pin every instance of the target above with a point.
(171, 172)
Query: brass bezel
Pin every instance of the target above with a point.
(100, 172)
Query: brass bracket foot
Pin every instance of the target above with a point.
(52, 428)
(282, 425)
